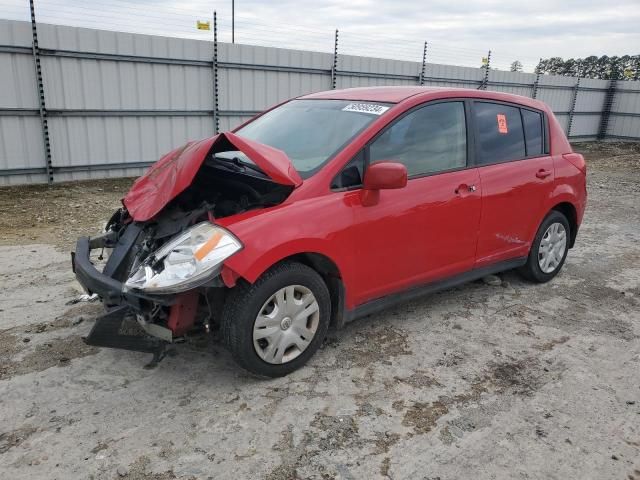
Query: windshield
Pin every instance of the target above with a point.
(311, 132)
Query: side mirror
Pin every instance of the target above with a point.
(385, 175)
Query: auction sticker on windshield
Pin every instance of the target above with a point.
(371, 108)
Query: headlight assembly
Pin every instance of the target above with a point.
(186, 261)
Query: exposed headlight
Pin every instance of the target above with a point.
(186, 261)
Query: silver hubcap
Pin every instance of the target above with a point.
(552, 247)
(286, 324)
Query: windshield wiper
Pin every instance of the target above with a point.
(238, 165)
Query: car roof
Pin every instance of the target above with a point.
(398, 94)
(372, 94)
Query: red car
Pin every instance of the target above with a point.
(329, 207)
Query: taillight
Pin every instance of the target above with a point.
(576, 160)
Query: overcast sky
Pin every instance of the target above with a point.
(457, 32)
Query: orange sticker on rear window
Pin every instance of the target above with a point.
(502, 123)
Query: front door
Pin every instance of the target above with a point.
(427, 230)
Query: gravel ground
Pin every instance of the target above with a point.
(482, 381)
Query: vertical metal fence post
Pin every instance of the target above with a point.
(424, 64)
(606, 109)
(573, 106)
(334, 68)
(216, 117)
(534, 92)
(233, 21)
(40, 85)
(487, 67)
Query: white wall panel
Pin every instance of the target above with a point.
(590, 101)
(15, 33)
(18, 87)
(628, 102)
(73, 83)
(231, 122)
(558, 100)
(101, 41)
(563, 120)
(454, 72)
(21, 144)
(351, 81)
(254, 90)
(353, 63)
(624, 126)
(78, 141)
(585, 125)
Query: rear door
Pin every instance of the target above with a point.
(516, 174)
(427, 230)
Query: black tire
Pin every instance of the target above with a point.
(243, 305)
(531, 270)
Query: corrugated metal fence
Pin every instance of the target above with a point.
(113, 102)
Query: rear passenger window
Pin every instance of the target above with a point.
(430, 139)
(532, 132)
(500, 134)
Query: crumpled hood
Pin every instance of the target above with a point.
(174, 172)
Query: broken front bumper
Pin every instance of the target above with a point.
(118, 327)
(110, 290)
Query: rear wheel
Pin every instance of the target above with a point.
(549, 249)
(275, 325)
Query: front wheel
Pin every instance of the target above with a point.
(275, 325)
(549, 249)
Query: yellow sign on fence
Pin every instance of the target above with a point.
(203, 25)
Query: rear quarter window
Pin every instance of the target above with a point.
(533, 132)
(500, 132)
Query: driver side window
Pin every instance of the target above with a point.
(428, 140)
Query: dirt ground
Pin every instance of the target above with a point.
(482, 381)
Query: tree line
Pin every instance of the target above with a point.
(626, 67)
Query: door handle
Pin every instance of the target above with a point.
(542, 173)
(464, 188)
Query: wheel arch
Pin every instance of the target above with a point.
(321, 263)
(570, 212)
(332, 277)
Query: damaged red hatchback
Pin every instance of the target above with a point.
(329, 207)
